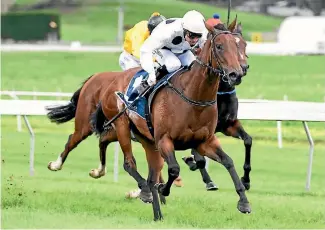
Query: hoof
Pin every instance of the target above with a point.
(178, 182)
(95, 173)
(247, 185)
(244, 207)
(53, 166)
(160, 218)
(146, 197)
(133, 194)
(211, 186)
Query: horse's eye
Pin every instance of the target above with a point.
(219, 47)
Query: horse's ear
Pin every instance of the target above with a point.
(209, 27)
(239, 28)
(232, 25)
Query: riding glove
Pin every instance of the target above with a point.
(152, 79)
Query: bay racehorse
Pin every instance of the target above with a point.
(82, 105)
(183, 115)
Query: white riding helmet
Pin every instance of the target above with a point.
(193, 21)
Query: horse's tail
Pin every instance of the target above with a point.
(97, 120)
(63, 113)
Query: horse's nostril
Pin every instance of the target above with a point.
(235, 78)
(232, 74)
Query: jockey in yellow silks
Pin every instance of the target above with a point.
(134, 38)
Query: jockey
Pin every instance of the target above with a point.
(134, 38)
(215, 20)
(171, 42)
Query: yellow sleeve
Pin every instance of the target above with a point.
(139, 35)
(127, 46)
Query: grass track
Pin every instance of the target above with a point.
(71, 199)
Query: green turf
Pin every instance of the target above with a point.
(98, 22)
(71, 199)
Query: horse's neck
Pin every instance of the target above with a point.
(198, 85)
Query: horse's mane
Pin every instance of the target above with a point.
(238, 31)
(221, 27)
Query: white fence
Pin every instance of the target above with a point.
(248, 110)
(270, 48)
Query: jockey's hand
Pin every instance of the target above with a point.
(197, 51)
(151, 79)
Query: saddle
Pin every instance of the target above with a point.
(141, 107)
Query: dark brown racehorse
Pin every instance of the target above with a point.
(183, 114)
(228, 123)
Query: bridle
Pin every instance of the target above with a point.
(218, 71)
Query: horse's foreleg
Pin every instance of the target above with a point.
(166, 149)
(155, 165)
(104, 141)
(124, 138)
(213, 150)
(152, 181)
(73, 141)
(200, 163)
(236, 130)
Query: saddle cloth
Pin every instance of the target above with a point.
(132, 93)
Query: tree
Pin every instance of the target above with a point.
(316, 6)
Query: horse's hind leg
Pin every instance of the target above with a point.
(213, 150)
(81, 131)
(104, 141)
(196, 161)
(201, 162)
(236, 130)
(73, 141)
(162, 197)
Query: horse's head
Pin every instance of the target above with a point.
(221, 52)
(236, 30)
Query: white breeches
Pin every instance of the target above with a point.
(173, 61)
(128, 61)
